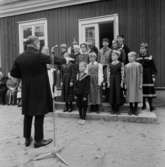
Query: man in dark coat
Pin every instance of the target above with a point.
(37, 101)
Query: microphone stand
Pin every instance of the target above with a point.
(55, 152)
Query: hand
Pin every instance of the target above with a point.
(53, 48)
(68, 59)
(75, 97)
(125, 86)
(121, 84)
(84, 99)
(153, 79)
(140, 86)
(71, 84)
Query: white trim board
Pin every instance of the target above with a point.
(32, 23)
(37, 5)
(96, 21)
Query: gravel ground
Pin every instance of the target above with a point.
(95, 144)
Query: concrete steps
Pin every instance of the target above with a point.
(143, 117)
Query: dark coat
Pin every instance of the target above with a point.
(31, 68)
(149, 71)
(68, 76)
(82, 86)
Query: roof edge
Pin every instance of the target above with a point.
(35, 6)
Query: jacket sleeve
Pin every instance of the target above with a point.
(55, 60)
(15, 71)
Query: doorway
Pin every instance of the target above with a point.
(106, 31)
(97, 28)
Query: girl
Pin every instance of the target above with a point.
(133, 83)
(84, 56)
(115, 80)
(149, 72)
(95, 71)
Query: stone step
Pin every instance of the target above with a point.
(104, 107)
(143, 117)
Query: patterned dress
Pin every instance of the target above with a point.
(149, 71)
(94, 95)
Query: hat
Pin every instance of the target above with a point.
(105, 40)
(144, 45)
(64, 45)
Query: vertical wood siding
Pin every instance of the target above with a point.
(141, 20)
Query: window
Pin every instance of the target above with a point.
(35, 27)
(96, 28)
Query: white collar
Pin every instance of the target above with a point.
(95, 63)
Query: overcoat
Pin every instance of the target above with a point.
(31, 68)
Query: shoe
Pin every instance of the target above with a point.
(42, 143)
(28, 141)
(70, 110)
(130, 112)
(143, 107)
(65, 110)
(81, 122)
(152, 108)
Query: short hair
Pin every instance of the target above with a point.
(105, 40)
(92, 54)
(144, 45)
(118, 53)
(31, 40)
(83, 44)
(64, 45)
(132, 53)
(83, 62)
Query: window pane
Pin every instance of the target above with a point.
(27, 31)
(39, 30)
(90, 34)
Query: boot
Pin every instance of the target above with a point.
(131, 109)
(150, 104)
(144, 104)
(135, 109)
(66, 107)
(70, 107)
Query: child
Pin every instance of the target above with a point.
(115, 80)
(149, 72)
(81, 91)
(95, 71)
(105, 59)
(133, 82)
(68, 78)
(84, 56)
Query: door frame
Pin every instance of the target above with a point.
(97, 20)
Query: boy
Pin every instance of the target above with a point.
(133, 82)
(81, 90)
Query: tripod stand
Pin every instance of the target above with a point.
(55, 152)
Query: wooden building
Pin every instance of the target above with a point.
(59, 21)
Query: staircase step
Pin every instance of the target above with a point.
(143, 117)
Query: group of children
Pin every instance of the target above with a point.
(113, 73)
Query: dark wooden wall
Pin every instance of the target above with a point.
(141, 20)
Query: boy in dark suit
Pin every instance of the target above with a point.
(81, 90)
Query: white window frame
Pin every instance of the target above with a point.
(32, 23)
(94, 22)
